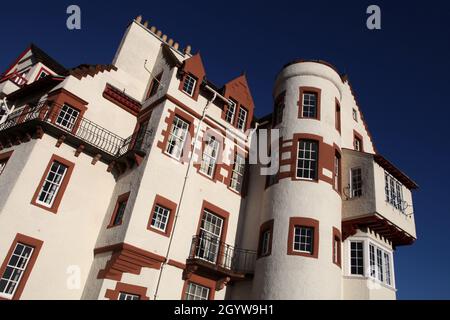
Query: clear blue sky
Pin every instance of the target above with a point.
(400, 75)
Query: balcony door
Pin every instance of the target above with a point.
(209, 237)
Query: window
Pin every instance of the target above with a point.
(336, 247)
(242, 119)
(357, 258)
(394, 191)
(303, 239)
(128, 296)
(380, 264)
(355, 182)
(307, 160)
(355, 115)
(336, 250)
(160, 218)
(357, 143)
(196, 292)
(67, 117)
(177, 137)
(4, 157)
(52, 184)
(119, 210)
(231, 110)
(14, 270)
(265, 239)
(279, 108)
(237, 176)
(189, 85)
(154, 85)
(338, 117)
(210, 236)
(43, 74)
(337, 172)
(210, 154)
(17, 266)
(309, 105)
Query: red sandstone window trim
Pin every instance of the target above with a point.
(337, 238)
(199, 280)
(120, 199)
(219, 162)
(126, 288)
(166, 133)
(265, 227)
(303, 222)
(313, 90)
(29, 241)
(165, 203)
(357, 136)
(338, 117)
(59, 195)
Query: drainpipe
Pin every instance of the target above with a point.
(215, 95)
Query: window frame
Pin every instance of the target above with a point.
(167, 204)
(121, 287)
(364, 254)
(239, 119)
(266, 227)
(337, 172)
(308, 223)
(309, 90)
(201, 281)
(355, 114)
(154, 85)
(213, 159)
(393, 190)
(188, 77)
(233, 116)
(338, 120)
(170, 134)
(62, 188)
(358, 138)
(120, 199)
(236, 174)
(337, 251)
(316, 160)
(352, 195)
(28, 241)
(76, 120)
(368, 273)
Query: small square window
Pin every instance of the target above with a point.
(196, 292)
(67, 117)
(160, 218)
(128, 296)
(355, 115)
(189, 85)
(303, 239)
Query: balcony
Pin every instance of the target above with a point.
(80, 133)
(389, 213)
(218, 261)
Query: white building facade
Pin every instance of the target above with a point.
(135, 180)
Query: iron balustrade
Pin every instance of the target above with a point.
(212, 250)
(80, 127)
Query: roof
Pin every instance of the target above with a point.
(44, 58)
(43, 84)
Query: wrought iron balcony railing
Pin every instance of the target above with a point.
(212, 251)
(80, 128)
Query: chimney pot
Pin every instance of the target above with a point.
(159, 33)
(139, 18)
(188, 49)
(170, 42)
(153, 29)
(164, 37)
(176, 45)
(146, 24)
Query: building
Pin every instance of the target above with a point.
(132, 181)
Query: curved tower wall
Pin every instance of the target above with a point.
(282, 275)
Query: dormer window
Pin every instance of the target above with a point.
(189, 85)
(231, 110)
(42, 74)
(355, 115)
(242, 119)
